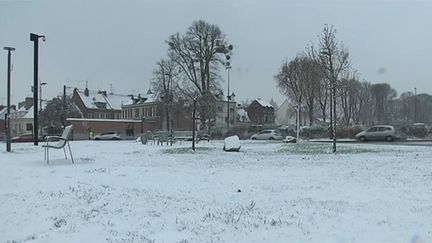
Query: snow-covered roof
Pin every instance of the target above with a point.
(116, 101)
(243, 116)
(112, 101)
(29, 114)
(2, 113)
(263, 103)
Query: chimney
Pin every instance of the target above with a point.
(86, 92)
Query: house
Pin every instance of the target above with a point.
(261, 112)
(151, 110)
(99, 104)
(221, 114)
(21, 120)
(286, 114)
(3, 111)
(148, 109)
(242, 118)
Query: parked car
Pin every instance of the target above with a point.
(382, 132)
(289, 139)
(269, 134)
(24, 138)
(108, 136)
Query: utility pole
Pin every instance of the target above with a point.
(35, 39)
(64, 107)
(7, 120)
(193, 124)
(228, 67)
(415, 105)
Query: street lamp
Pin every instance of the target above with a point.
(193, 123)
(415, 105)
(40, 95)
(227, 51)
(40, 105)
(7, 118)
(35, 39)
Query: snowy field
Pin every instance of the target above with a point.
(269, 192)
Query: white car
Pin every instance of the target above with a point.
(289, 139)
(108, 136)
(381, 132)
(269, 134)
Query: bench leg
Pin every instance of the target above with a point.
(70, 151)
(64, 151)
(47, 154)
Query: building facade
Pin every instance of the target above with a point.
(261, 112)
(99, 104)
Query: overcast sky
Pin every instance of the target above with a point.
(118, 42)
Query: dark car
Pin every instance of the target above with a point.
(24, 138)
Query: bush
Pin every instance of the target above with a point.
(347, 132)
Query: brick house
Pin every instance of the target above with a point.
(151, 111)
(3, 111)
(261, 112)
(99, 104)
(148, 109)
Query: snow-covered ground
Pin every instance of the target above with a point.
(124, 191)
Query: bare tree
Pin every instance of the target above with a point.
(165, 84)
(382, 94)
(311, 76)
(199, 53)
(288, 80)
(333, 57)
(323, 97)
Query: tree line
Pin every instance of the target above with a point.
(322, 82)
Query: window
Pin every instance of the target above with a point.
(219, 108)
(372, 129)
(89, 115)
(29, 127)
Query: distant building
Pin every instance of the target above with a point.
(286, 114)
(242, 118)
(3, 111)
(21, 120)
(151, 111)
(148, 109)
(261, 112)
(221, 114)
(99, 104)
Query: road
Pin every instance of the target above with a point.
(425, 143)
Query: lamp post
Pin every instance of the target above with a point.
(35, 39)
(193, 124)
(228, 68)
(227, 50)
(40, 95)
(40, 104)
(415, 105)
(7, 120)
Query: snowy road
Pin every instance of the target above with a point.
(269, 192)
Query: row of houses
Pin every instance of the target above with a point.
(132, 114)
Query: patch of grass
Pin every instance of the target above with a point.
(187, 150)
(317, 148)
